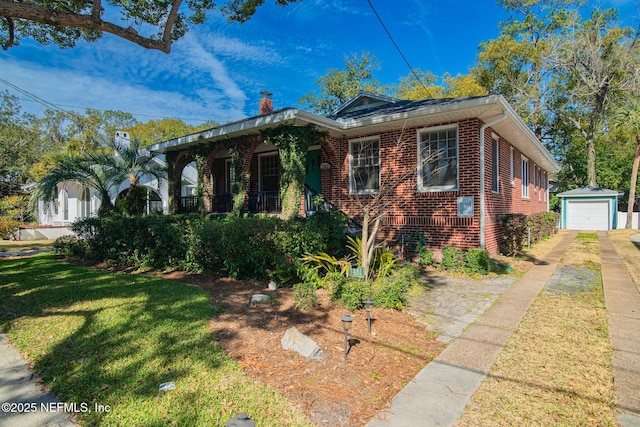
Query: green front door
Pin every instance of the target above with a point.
(313, 178)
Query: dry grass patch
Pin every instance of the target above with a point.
(584, 252)
(529, 257)
(628, 251)
(556, 368)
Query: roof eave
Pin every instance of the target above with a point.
(248, 126)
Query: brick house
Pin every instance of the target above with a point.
(425, 156)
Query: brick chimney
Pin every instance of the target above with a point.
(266, 103)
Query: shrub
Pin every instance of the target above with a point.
(425, 256)
(452, 259)
(70, 246)
(8, 227)
(477, 260)
(248, 247)
(542, 224)
(514, 231)
(305, 295)
(391, 291)
(351, 292)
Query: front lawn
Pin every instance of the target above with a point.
(111, 339)
(24, 245)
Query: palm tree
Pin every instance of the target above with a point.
(102, 171)
(130, 163)
(628, 119)
(84, 169)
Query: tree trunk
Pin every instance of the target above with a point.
(632, 188)
(591, 162)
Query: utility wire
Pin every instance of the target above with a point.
(32, 96)
(58, 106)
(399, 50)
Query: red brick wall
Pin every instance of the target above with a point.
(433, 214)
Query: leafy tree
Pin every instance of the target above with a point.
(431, 86)
(340, 85)
(69, 133)
(67, 21)
(155, 131)
(20, 145)
(598, 66)
(519, 63)
(627, 118)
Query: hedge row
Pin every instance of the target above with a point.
(247, 247)
(517, 228)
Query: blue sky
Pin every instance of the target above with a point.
(217, 71)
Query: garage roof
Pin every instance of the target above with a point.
(589, 192)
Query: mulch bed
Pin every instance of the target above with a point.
(333, 391)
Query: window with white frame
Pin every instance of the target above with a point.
(364, 166)
(512, 176)
(65, 205)
(525, 177)
(438, 159)
(495, 165)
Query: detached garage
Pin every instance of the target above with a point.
(589, 208)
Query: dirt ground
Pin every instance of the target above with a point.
(333, 391)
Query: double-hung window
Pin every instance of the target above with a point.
(525, 177)
(364, 166)
(438, 159)
(495, 165)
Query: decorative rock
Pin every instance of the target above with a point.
(260, 298)
(273, 286)
(297, 341)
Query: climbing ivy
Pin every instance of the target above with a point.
(293, 142)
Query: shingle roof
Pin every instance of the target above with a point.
(588, 191)
(396, 107)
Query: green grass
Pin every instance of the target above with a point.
(111, 339)
(587, 236)
(24, 245)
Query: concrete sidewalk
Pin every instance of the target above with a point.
(623, 306)
(438, 394)
(22, 398)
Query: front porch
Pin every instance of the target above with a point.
(269, 202)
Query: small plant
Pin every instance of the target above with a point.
(452, 259)
(305, 295)
(326, 262)
(477, 260)
(425, 256)
(391, 292)
(351, 293)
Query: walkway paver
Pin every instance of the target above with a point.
(438, 394)
(623, 306)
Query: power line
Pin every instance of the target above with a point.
(32, 96)
(58, 106)
(399, 50)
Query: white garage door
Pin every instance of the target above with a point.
(588, 214)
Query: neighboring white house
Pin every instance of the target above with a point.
(75, 201)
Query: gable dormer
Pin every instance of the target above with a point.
(363, 101)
